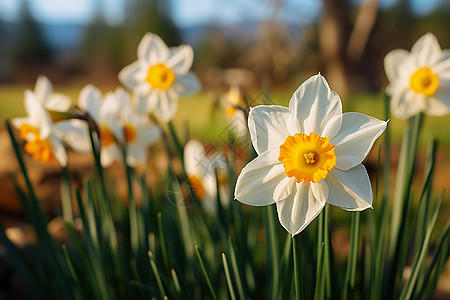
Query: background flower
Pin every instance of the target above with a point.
(159, 76)
(39, 132)
(201, 170)
(309, 154)
(43, 90)
(420, 79)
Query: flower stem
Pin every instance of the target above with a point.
(296, 268)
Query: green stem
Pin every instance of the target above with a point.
(296, 268)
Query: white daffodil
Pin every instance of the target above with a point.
(139, 133)
(201, 170)
(106, 114)
(420, 79)
(43, 91)
(309, 154)
(159, 76)
(39, 132)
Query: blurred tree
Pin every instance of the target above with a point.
(29, 47)
(107, 48)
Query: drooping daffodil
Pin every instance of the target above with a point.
(201, 170)
(159, 76)
(309, 154)
(419, 81)
(39, 132)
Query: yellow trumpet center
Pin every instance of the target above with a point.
(307, 157)
(424, 81)
(160, 76)
(197, 186)
(39, 149)
(130, 133)
(106, 135)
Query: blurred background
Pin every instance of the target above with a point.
(275, 42)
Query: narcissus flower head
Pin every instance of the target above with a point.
(309, 154)
(419, 81)
(159, 76)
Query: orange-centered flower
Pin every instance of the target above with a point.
(160, 77)
(130, 133)
(26, 129)
(40, 150)
(307, 157)
(197, 186)
(424, 82)
(106, 135)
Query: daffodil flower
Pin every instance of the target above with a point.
(420, 79)
(138, 134)
(201, 170)
(39, 132)
(106, 114)
(43, 91)
(159, 76)
(309, 154)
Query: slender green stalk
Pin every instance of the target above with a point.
(156, 273)
(228, 277)
(235, 268)
(205, 273)
(274, 257)
(296, 268)
(162, 241)
(66, 196)
(350, 276)
(405, 172)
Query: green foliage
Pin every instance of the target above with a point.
(159, 246)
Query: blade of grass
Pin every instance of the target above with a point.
(350, 276)
(156, 274)
(228, 277)
(419, 260)
(205, 272)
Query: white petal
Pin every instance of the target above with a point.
(57, 102)
(320, 190)
(299, 209)
(128, 75)
(146, 103)
(442, 66)
(394, 62)
(149, 135)
(436, 106)
(58, 150)
(43, 88)
(37, 115)
(90, 100)
(167, 105)
(355, 139)
(136, 155)
(314, 104)
(284, 189)
(181, 59)
(186, 84)
(258, 180)
(194, 158)
(407, 103)
(109, 154)
(350, 189)
(426, 50)
(268, 127)
(152, 49)
(75, 134)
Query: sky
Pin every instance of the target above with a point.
(185, 12)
